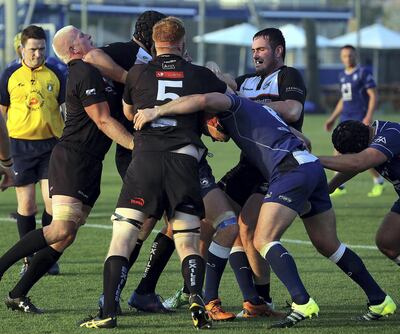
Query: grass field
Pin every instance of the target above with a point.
(73, 295)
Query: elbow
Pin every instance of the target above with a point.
(204, 101)
(293, 116)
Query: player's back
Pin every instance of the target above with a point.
(166, 78)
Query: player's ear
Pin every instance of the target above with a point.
(279, 51)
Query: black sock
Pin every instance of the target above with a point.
(46, 218)
(160, 253)
(29, 244)
(185, 288)
(193, 269)
(135, 253)
(38, 267)
(114, 278)
(25, 224)
(264, 290)
(353, 266)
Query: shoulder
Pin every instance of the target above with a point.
(55, 69)
(10, 70)
(287, 71)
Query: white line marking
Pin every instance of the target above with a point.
(109, 227)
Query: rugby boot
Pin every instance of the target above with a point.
(217, 313)
(375, 312)
(298, 313)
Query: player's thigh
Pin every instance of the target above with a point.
(321, 229)
(249, 215)
(388, 234)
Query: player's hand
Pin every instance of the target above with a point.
(7, 178)
(329, 125)
(144, 116)
(367, 121)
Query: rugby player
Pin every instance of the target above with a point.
(358, 102)
(163, 174)
(297, 186)
(75, 165)
(363, 147)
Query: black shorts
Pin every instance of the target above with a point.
(162, 181)
(242, 181)
(207, 179)
(123, 158)
(74, 173)
(31, 159)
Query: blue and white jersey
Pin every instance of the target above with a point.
(260, 133)
(354, 87)
(387, 141)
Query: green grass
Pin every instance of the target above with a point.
(73, 295)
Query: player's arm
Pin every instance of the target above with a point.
(3, 110)
(6, 161)
(212, 102)
(372, 104)
(225, 77)
(106, 65)
(100, 114)
(338, 180)
(302, 137)
(128, 110)
(354, 163)
(289, 110)
(330, 122)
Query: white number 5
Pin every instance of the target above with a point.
(163, 85)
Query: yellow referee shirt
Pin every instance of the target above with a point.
(32, 97)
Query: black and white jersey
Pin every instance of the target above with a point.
(125, 54)
(286, 83)
(85, 87)
(166, 78)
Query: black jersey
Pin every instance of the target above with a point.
(125, 54)
(85, 86)
(286, 83)
(166, 78)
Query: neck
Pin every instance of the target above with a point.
(140, 44)
(173, 51)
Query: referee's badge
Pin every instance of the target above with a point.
(50, 87)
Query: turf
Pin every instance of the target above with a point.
(73, 295)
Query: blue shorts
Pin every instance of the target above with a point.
(303, 189)
(396, 207)
(31, 159)
(207, 180)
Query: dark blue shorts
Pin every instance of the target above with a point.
(206, 177)
(352, 117)
(31, 159)
(303, 189)
(396, 207)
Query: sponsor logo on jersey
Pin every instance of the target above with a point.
(285, 198)
(355, 77)
(380, 139)
(266, 84)
(91, 91)
(80, 192)
(294, 89)
(170, 74)
(138, 201)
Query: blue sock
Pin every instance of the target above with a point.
(244, 276)
(353, 266)
(284, 267)
(217, 258)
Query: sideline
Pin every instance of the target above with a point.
(108, 227)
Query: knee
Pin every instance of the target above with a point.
(63, 233)
(385, 247)
(259, 243)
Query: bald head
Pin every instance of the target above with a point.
(70, 43)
